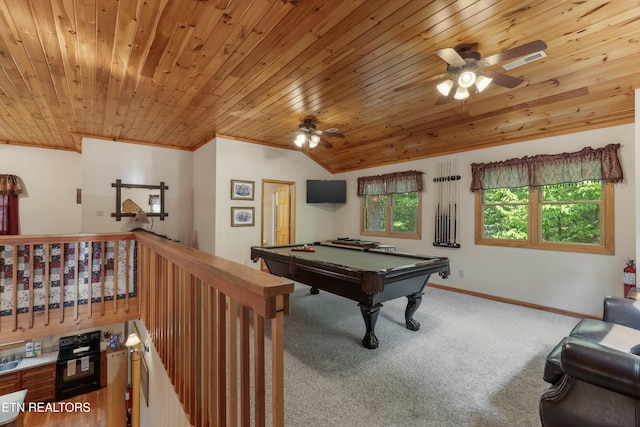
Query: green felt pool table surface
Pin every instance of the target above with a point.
(353, 258)
(368, 276)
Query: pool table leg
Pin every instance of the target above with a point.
(412, 305)
(370, 315)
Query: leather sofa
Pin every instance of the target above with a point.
(595, 371)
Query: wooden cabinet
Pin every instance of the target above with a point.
(103, 369)
(9, 383)
(40, 383)
(118, 365)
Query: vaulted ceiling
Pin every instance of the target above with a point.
(177, 73)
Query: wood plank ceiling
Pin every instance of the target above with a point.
(177, 73)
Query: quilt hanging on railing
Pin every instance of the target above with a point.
(62, 266)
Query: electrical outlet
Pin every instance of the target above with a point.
(461, 274)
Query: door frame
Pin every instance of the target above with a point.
(292, 207)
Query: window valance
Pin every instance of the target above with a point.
(398, 182)
(10, 185)
(588, 164)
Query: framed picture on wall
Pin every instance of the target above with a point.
(242, 190)
(242, 217)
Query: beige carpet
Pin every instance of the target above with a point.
(474, 362)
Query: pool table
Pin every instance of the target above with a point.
(368, 276)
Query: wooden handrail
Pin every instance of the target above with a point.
(64, 238)
(205, 315)
(197, 308)
(239, 282)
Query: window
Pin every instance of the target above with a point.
(505, 213)
(560, 202)
(568, 217)
(396, 215)
(391, 204)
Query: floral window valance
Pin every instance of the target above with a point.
(10, 185)
(588, 164)
(398, 182)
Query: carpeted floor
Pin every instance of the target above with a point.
(474, 362)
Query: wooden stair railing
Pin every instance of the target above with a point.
(39, 291)
(198, 309)
(205, 315)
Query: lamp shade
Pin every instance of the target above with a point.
(141, 218)
(300, 140)
(313, 141)
(482, 82)
(445, 87)
(461, 93)
(132, 340)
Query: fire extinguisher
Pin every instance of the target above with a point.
(629, 277)
(127, 397)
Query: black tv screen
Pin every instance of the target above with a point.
(326, 191)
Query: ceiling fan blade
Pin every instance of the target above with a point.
(325, 143)
(451, 57)
(503, 79)
(442, 100)
(334, 134)
(516, 52)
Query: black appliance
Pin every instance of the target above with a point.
(78, 365)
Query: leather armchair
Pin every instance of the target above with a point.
(595, 372)
(622, 311)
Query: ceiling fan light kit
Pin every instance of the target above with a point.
(466, 79)
(302, 139)
(482, 82)
(461, 93)
(309, 135)
(445, 87)
(463, 61)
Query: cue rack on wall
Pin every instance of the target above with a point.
(446, 222)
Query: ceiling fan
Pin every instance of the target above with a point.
(466, 69)
(308, 134)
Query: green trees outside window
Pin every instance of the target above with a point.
(395, 215)
(571, 212)
(376, 213)
(506, 213)
(570, 216)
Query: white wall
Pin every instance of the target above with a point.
(198, 202)
(568, 281)
(204, 197)
(163, 407)
(50, 179)
(253, 162)
(103, 162)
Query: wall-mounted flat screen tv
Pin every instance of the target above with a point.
(326, 191)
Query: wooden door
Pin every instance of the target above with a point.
(283, 217)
